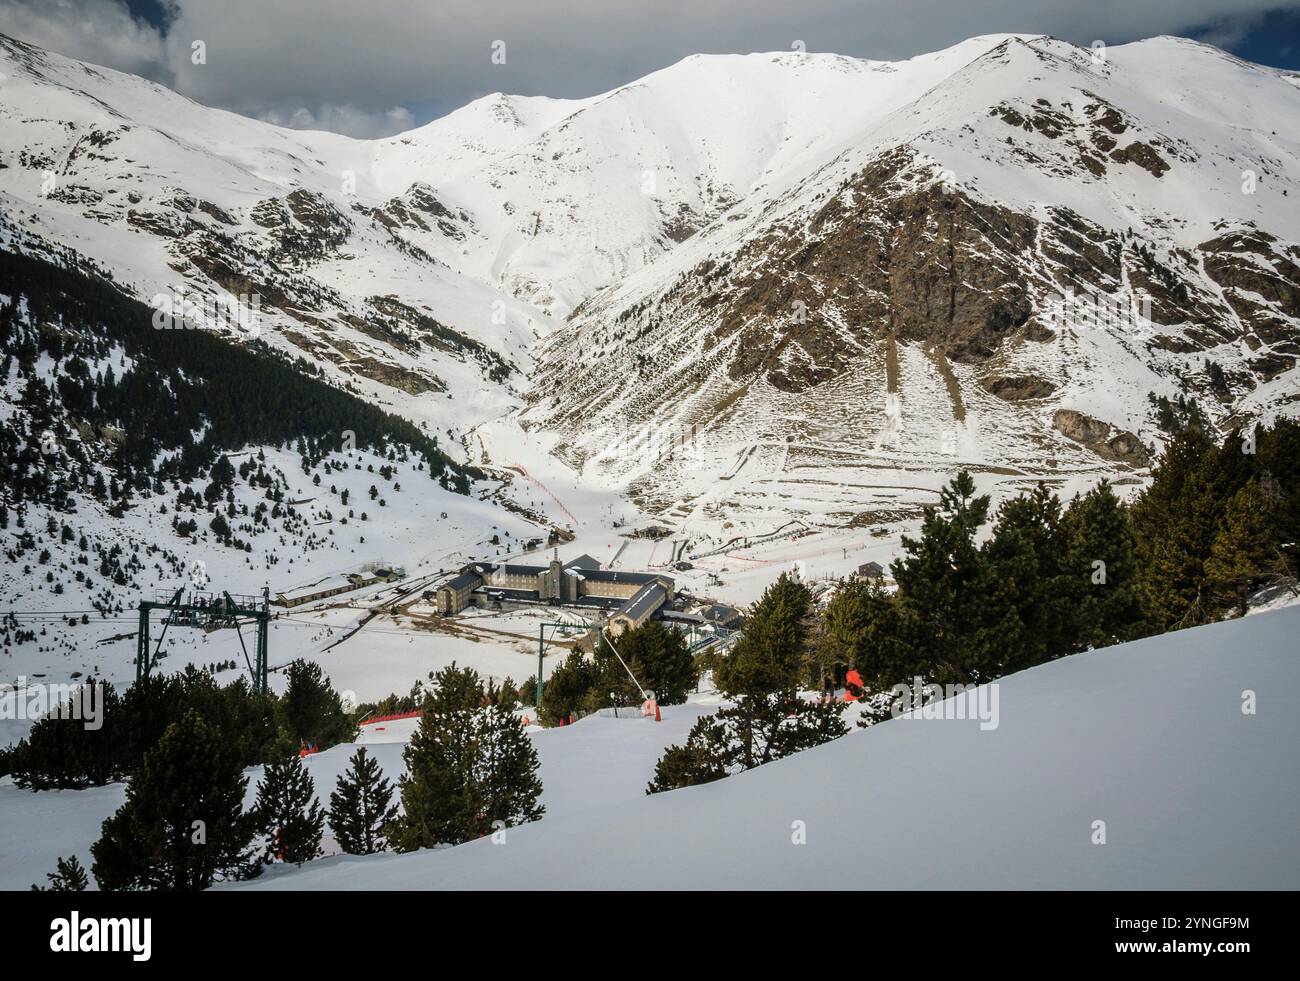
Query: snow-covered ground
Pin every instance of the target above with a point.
(1149, 738)
(585, 767)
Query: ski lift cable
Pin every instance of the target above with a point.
(610, 640)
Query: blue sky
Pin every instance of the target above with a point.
(1274, 41)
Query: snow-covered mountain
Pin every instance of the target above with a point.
(743, 289)
(767, 304)
(1003, 268)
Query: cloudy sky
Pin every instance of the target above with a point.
(376, 67)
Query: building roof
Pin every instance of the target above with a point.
(461, 581)
(486, 569)
(523, 595)
(583, 561)
(617, 575)
(647, 599)
(317, 588)
(720, 613)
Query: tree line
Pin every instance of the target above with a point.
(470, 771)
(144, 393)
(980, 594)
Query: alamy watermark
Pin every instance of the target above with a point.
(183, 310)
(61, 701)
(1095, 310)
(928, 700)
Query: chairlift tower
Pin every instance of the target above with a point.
(205, 611)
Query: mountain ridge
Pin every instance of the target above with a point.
(604, 272)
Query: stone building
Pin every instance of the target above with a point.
(578, 582)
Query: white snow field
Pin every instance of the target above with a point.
(591, 765)
(1149, 737)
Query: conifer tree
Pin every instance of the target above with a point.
(1241, 550)
(658, 658)
(941, 582)
(569, 687)
(1175, 523)
(60, 751)
(756, 730)
(69, 876)
(470, 768)
(182, 826)
(1101, 572)
(769, 655)
(361, 806)
(287, 815)
(761, 674)
(863, 631)
(313, 710)
(1028, 612)
(706, 756)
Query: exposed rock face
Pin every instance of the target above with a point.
(1142, 154)
(418, 208)
(1101, 437)
(1018, 388)
(924, 264)
(1260, 277)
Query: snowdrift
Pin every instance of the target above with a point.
(1149, 738)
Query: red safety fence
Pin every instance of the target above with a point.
(393, 718)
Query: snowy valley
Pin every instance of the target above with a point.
(746, 316)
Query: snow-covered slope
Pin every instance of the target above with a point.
(1148, 737)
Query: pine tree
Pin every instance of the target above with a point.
(707, 755)
(61, 752)
(754, 731)
(69, 876)
(569, 688)
(656, 655)
(863, 632)
(182, 826)
(313, 710)
(470, 768)
(1241, 550)
(361, 807)
(1174, 523)
(769, 656)
(1101, 571)
(287, 815)
(942, 583)
(761, 674)
(1030, 596)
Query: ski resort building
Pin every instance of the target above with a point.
(453, 595)
(333, 585)
(633, 597)
(645, 602)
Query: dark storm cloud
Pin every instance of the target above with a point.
(367, 67)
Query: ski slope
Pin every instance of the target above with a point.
(1149, 737)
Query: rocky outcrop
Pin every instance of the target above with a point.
(1261, 281)
(1144, 155)
(1101, 437)
(1018, 388)
(926, 264)
(419, 209)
